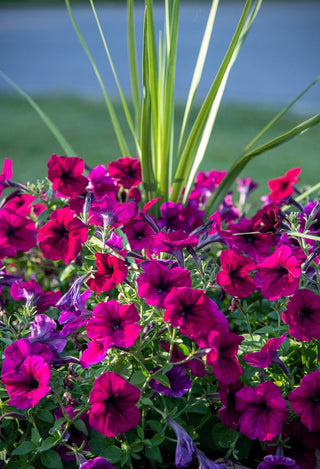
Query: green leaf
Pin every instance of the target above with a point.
(47, 444)
(157, 439)
(51, 459)
(81, 426)
(154, 453)
(45, 416)
(25, 448)
(35, 436)
(138, 377)
(133, 62)
(155, 425)
(113, 454)
(162, 379)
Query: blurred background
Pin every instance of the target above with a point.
(41, 53)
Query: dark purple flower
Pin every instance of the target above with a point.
(180, 383)
(228, 413)
(97, 463)
(277, 462)
(303, 315)
(109, 212)
(44, 330)
(113, 405)
(139, 233)
(185, 449)
(305, 401)
(263, 411)
(206, 463)
(158, 280)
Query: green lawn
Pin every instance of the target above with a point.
(27, 142)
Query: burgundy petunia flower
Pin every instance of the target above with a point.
(62, 236)
(111, 271)
(192, 311)
(267, 355)
(282, 187)
(263, 411)
(305, 401)
(6, 175)
(180, 383)
(17, 233)
(228, 413)
(303, 315)
(66, 175)
(301, 443)
(234, 276)
(34, 295)
(114, 324)
(173, 242)
(139, 233)
(177, 217)
(222, 354)
(185, 449)
(279, 274)
(113, 408)
(126, 171)
(158, 280)
(29, 383)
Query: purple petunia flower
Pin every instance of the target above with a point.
(44, 330)
(305, 401)
(107, 211)
(185, 449)
(228, 413)
(34, 295)
(303, 315)
(180, 383)
(267, 355)
(205, 463)
(263, 411)
(96, 463)
(275, 462)
(173, 242)
(113, 405)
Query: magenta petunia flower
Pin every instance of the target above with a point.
(126, 171)
(267, 354)
(228, 413)
(107, 211)
(234, 276)
(305, 401)
(6, 175)
(34, 295)
(279, 274)
(222, 354)
(303, 315)
(173, 242)
(192, 311)
(177, 217)
(94, 353)
(113, 405)
(139, 233)
(16, 352)
(23, 204)
(17, 233)
(66, 175)
(282, 187)
(111, 271)
(114, 325)
(180, 383)
(29, 383)
(263, 411)
(100, 183)
(158, 280)
(62, 236)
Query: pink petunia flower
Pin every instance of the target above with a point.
(114, 325)
(279, 274)
(111, 271)
(66, 175)
(16, 352)
(305, 401)
(113, 408)
(192, 311)
(282, 187)
(126, 171)
(303, 315)
(17, 233)
(100, 183)
(158, 280)
(62, 236)
(234, 276)
(263, 411)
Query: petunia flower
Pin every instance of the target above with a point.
(66, 175)
(195, 365)
(301, 444)
(44, 330)
(173, 242)
(275, 462)
(185, 449)
(305, 400)
(16, 353)
(17, 233)
(96, 463)
(62, 236)
(108, 212)
(139, 233)
(32, 292)
(100, 183)
(279, 274)
(303, 315)
(158, 280)
(113, 405)
(114, 324)
(180, 383)
(206, 463)
(234, 276)
(282, 187)
(6, 175)
(228, 413)
(111, 271)
(267, 354)
(263, 411)
(126, 171)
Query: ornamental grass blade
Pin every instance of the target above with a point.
(115, 122)
(135, 88)
(219, 194)
(65, 145)
(185, 159)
